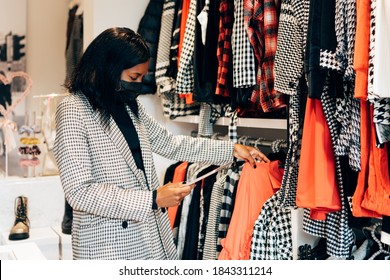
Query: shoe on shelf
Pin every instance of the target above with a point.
(21, 228)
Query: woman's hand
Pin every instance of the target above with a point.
(249, 153)
(171, 194)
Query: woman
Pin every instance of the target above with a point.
(104, 145)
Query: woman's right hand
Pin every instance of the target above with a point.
(171, 194)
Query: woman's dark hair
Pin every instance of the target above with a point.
(98, 72)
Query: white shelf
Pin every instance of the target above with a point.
(242, 122)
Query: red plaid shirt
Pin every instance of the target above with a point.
(224, 51)
(262, 18)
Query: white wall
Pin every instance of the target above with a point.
(46, 34)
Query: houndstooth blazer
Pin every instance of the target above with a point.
(110, 197)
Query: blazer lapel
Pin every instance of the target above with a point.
(145, 146)
(112, 130)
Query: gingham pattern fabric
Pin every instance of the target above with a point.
(272, 233)
(335, 228)
(205, 126)
(105, 188)
(288, 189)
(227, 205)
(232, 130)
(244, 74)
(210, 239)
(291, 42)
(185, 75)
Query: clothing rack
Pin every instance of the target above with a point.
(281, 144)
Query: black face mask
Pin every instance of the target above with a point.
(128, 91)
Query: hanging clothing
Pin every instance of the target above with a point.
(362, 44)
(314, 190)
(149, 28)
(185, 75)
(291, 43)
(261, 20)
(224, 51)
(244, 74)
(179, 176)
(272, 232)
(256, 185)
(228, 201)
(211, 236)
(193, 226)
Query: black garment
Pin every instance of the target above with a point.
(205, 56)
(170, 172)
(149, 29)
(321, 36)
(190, 250)
(121, 117)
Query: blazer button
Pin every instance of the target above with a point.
(124, 224)
(163, 210)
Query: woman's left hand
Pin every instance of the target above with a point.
(250, 154)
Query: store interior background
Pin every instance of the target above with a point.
(45, 54)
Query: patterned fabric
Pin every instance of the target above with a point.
(165, 83)
(224, 51)
(382, 120)
(291, 42)
(192, 172)
(173, 105)
(106, 189)
(205, 127)
(185, 76)
(244, 74)
(262, 19)
(227, 206)
(335, 229)
(348, 109)
(288, 189)
(210, 239)
(272, 233)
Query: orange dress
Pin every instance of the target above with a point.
(255, 187)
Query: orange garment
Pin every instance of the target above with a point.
(178, 176)
(184, 15)
(255, 187)
(362, 46)
(317, 187)
(372, 195)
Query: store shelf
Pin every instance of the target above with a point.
(242, 122)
